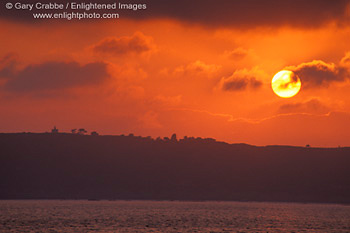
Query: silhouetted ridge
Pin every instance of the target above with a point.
(72, 166)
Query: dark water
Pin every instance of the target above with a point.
(168, 216)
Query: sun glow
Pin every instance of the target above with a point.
(286, 84)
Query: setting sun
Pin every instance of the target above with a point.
(286, 84)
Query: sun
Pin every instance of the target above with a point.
(286, 84)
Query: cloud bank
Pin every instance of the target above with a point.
(318, 73)
(228, 13)
(54, 76)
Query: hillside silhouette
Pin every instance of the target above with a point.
(71, 166)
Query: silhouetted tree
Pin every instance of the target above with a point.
(54, 130)
(74, 131)
(173, 138)
(82, 131)
(94, 133)
(210, 139)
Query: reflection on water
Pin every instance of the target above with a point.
(171, 216)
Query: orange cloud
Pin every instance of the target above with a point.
(345, 61)
(168, 100)
(314, 106)
(135, 44)
(237, 54)
(198, 68)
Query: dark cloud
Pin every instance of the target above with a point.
(318, 73)
(55, 76)
(136, 44)
(235, 84)
(7, 65)
(242, 13)
(233, 13)
(254, 83)
(239, 83)
(241, 80)
(311, 106)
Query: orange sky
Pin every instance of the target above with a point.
(165, 74)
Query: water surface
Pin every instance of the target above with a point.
(170, 216)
